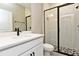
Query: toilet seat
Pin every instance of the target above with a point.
(48, 47)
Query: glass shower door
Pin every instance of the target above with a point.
(67, 29)
(51, 27)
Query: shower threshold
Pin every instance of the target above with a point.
(64, 53)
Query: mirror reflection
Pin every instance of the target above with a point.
(15, 15)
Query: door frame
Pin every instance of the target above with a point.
(26, 20)
(58, 26)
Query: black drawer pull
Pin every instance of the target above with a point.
(33, 53)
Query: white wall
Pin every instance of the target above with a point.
(18, 13)
(37, 17)
(27, 12)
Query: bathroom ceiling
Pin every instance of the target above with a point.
(26, 5)
(46, 5)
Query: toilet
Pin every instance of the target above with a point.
(48, 48)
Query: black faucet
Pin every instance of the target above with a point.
(18, 31)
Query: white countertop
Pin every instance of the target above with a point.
(9, 41)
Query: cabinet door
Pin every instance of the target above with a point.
(28, 53)
(38, 50)
(35, 51)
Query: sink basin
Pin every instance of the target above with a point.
(26, 35)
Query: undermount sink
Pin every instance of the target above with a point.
(21, 36)
(16, 37)
(26, 35)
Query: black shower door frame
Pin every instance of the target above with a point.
(58, 26)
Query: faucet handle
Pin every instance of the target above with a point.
(17, 31)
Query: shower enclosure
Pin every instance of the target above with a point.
(62, 28)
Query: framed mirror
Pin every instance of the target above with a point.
(13, 16)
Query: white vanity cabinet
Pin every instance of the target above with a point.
(36, 51)
(30, 48)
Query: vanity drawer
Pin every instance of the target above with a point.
(19, 49)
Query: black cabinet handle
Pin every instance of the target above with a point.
(30, 54)
(33, 53)
(77, 7)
